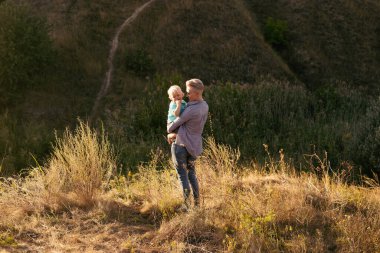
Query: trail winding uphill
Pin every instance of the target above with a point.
(114, 45)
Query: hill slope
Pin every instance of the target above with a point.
(327, 42)
(223, 40)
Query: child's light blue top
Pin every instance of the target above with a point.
(172, 107)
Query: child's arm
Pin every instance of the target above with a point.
(177, 110)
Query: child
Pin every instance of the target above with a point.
(176, 107)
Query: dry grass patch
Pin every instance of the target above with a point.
(243, 209)
(275, 210)
(81, 166)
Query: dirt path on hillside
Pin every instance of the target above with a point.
(114, 45)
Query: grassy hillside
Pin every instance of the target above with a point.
(80, 32)
(225, 40)
(309, 77)
(328, 41)
(322, 45)
(214, 40)
(77, 202)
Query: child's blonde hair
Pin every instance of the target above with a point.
(174, 89)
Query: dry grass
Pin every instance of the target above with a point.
(81, 165)
(243, 208)
(76, 174)
(274, 209)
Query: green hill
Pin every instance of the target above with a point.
(225, 40)
(329, 40)
(306, 43)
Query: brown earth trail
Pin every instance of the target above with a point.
(114, 45)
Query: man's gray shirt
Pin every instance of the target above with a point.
(191, 123)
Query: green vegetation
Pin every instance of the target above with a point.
(26, 50)
(21, 143)
(329, 43)
(275, 32)
(333, 119)
(293, 126)
(139, 63)
(61, 57)
(367, 144)
(192, 39)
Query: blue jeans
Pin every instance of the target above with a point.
(185, 166)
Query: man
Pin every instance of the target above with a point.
(188, 144)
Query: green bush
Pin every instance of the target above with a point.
(21, 142)
(139, 62)
(275, 32)
(270, 112)
(141, 126)
(366, 145)
(25, 48)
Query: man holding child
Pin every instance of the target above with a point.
(187, 145)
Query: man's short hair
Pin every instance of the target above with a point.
(196, 84)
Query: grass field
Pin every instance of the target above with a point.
(78, 201)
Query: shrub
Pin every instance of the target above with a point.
(25, 48)
(19, 139)
(142, 126)
(366, 146)
(140, 63)
(275, 32)
(284, 116)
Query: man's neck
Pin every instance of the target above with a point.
(197, 99)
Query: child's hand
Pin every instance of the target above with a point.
(170, 140)
(178, 102)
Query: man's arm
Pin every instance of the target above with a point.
(185, 116)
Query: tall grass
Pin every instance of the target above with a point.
(252, 209)
(244, 208)
(76, 174)
(82, 164)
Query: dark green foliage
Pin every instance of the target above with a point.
(275, 32)
(367, 146)
(270, 112)
(141, 126)
(21, 142)
(139, 62)
(25, 48)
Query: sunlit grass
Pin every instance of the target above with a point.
(244, 208)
